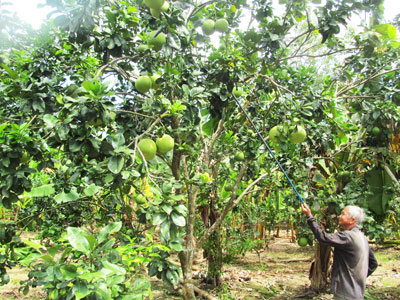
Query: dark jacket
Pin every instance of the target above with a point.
(353, 260)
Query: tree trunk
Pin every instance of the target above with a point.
(319, 272)
(186, 260)
(213, 253)
(214, 259)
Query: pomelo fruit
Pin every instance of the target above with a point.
(302, 242)
(298, 134)
(208, 27)
(275, 133)
(143, 84)
(228, 187)
(140, 199)
(165, 144)
(155, 12)
(237, 91)
(148, 148)
(154, 4)
(142, 48)
(239, 156)
(221, 25)
(376, 130)
(156, 42)
(165, 6)
(154, 78)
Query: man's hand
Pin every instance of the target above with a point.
(305, 209)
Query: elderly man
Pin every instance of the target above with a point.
(353, 259)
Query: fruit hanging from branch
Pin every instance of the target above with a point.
(298, 134)
(164, 144)
(148, 147)
(143, 84)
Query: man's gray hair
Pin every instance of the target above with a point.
(356, 213)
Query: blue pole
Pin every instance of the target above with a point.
(269, 149)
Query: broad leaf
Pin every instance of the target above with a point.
(109, 229)
(42, 191)
(77, 240)
(178, 219)
(116, 163)
(66, 197)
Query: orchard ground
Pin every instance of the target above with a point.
(278, 271)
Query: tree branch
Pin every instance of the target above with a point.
(278, 85)
(227, 208)
(113, 62)
(346, 89)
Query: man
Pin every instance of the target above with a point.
(353, 259)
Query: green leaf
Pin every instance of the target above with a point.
(319, 178)
(196, 91)
(89, 277)
(77, 240)
(182, 209)
(167, 208)
(173, 276)
(109, 229)
(42, 191)
(159, 218)
(111, 269)
(34, 245)
(50, 120)
(88, 85)
(104, 291)
(388, 31)
(48, 259)
(67, 197)
(176, 246)
(91, 190)
(379, 183)
(118, 140)
(80, 290)
(164, 230)
(141, 284)
(178, 219)
(186, 90)
(116, 163)
(69, 271)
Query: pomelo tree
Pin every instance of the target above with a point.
(79, 98)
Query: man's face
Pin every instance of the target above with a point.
(345, 220)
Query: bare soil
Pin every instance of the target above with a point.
(279, 271)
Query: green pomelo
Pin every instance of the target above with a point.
(208, 27)
(154, 78)
(221, 25)
(156, 42)
(275, 133)
(344, 175)
(155, 12)
(376, 130)
(148, 148)
(228, 188)
(302, 242)
(142, 48)
(154, 4)
(239, 156)
(165, 144)
(298, 135)
(143, 84)
(237, 92)
(140, 199)
(165, 6)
